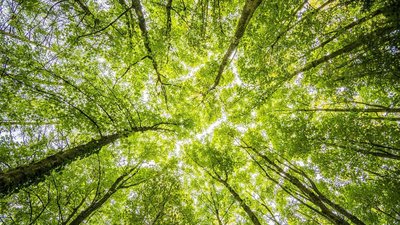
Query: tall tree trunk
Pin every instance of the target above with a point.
(358, 110)
(242, 203)
(26, 175)
(248, 10)
(137, 6)
(235, 195)
(117, 185)
(168, 8)
(311, 196)
(316, 200)
(314, 195)
(361, 41)
(292, 25)
(349, 26)
(93, 207)
(218, 217)
(378, 152)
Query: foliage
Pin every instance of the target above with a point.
(200, 112)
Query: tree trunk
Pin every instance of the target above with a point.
(168, 8)
(248, 10)
(348, 27)
(243, 204)
(97, 204)
(316, 200)
(325, 211)
(26, 175)
(358, 110)
(346, 49)
(92, 208)
(314, 195)
(137, 6)
(381, 153)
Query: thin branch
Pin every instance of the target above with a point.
(107, 26)
(128, 68)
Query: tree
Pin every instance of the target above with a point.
(311, 193)
(238, 112)
(18, 177)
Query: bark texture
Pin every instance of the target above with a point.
(14, 179)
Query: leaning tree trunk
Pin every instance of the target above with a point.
(242, 203)
(314, 195)
(234, 194)
(308, 194)
(361, 41)
(14, 179)
(92, 208)
(117, 185)
(248, 10)
(356, 110)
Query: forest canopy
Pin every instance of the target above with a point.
(200, 112)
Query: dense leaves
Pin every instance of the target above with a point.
(199, 112)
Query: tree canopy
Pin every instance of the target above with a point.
(200, 112)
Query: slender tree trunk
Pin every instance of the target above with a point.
(327, 214)
(346, 49)
(218, 217)
(290, 26)
(117, 185)
(248, 10)
(341, 210)
(316, 200)
(242, 203)
(381, 153)
(361, 41)
(26, 175)
(137, 6)
(168, 8)
(376, 145)
(235, 195)
(311, 195)
(359, 110)
(314, 195)
(92, 208)
(161, 212)
(350, 26)
(387, 155)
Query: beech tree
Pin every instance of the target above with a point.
(199, 112)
